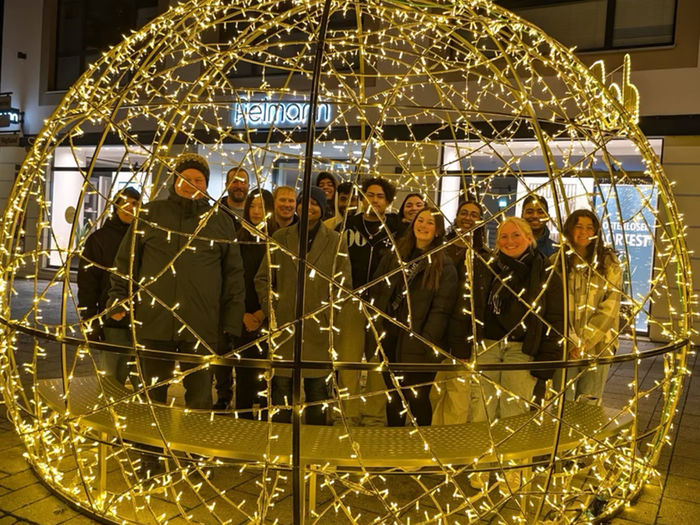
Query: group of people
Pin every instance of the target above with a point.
(200, 279)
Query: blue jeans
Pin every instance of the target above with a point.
(516, 386)
(315, 389)
(197, 384)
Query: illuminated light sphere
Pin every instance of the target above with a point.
(444, 99)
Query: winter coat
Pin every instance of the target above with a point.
(540, 340)
(429, 309)
(366, 250)
(460, 328)
(594, 304)
(200, 276)
(93, 279)
(327, 257)
(545, 244)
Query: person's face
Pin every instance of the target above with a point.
(125, 209)
(314, 212)
(327, 186)
(285, 204)
(535, 215)
(583, 232)
(237, 185)
(411, 207)
(424, 228)
(191, 184)
(512, 241)
(344, 201)
(468, 217)
(376, 198)
(257, 211)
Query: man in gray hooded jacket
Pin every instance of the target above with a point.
(180, 275)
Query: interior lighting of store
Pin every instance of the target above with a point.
(410, 83)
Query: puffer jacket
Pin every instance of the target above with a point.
(198, 279)
(426, 312)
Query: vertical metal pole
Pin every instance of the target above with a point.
(297, 467)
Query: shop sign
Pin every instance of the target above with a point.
(266, 114)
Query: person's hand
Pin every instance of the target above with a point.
(118, 316)
(575, 352)
(251, 322)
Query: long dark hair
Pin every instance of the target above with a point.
(478, 234)
(403, 204)
(596, 251)
(268, 206)
(407, 244)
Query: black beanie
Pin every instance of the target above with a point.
(192, 161)
(318, 195)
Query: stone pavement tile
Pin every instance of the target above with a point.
(12, 461)
(7, 520)
(24, 496)
(675, 511)
(48, 511)
(678, 487)
(17, 481)
(640, 512)
(651, 493)
(686, 467)
(80, 519)
(621, 521)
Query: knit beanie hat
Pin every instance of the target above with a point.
(319, 196)
(192, 161)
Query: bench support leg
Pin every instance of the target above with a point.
(312, 494)
(102, 467)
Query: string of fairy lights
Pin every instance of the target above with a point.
(402, 82)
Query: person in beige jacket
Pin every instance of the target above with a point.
(594, 282)
(328, 314)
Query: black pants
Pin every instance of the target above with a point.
(315, 389)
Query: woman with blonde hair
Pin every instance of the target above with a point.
(519, 312)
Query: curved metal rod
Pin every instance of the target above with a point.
(345, 365)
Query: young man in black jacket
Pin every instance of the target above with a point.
(369, 235)
(94, 283)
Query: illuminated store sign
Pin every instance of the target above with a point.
(264, 114)
(10, 116)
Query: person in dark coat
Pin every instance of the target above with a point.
(329, 185)
(94, 283)
(369, 235)
(180, 278)
(536, 213)
(519, 311)
(252, 239)
(417, 302)
(276, 286)
(467, 237)
(233, 201)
